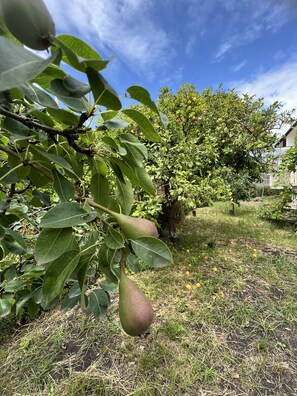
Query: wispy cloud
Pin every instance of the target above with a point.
(278, 84)
(238, 66)
(123, 28)
(247, 21)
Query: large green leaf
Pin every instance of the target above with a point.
(145, 181)
(63, 187)
(49, 157)
(100, 189)
(124, 195)
(66, 214)
(18, 130)
(142, 95)
(18, 65)
(152, 251)
(103, 93)
(98, 302)
(80, 55)
(58, 88)
(76, 88)
(144, 123)
(57, 274)
(64, 117)
(37, 95)
(51, 244)
(133, 141)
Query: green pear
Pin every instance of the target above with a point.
(135, 227)
(136, 312)
(29, 21)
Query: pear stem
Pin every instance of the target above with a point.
(98, 206)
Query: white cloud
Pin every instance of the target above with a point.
(246, 21)
(278, 84)
(238, 66)
(122, 28)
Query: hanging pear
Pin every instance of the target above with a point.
(29, 21)
(135, 310)
(135, 227)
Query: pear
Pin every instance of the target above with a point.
(132, 227)
(136, 312)
(29, 21)
(135, 227)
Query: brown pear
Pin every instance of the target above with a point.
(136, 312)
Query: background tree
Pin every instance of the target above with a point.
(67, 188)
(216, 146)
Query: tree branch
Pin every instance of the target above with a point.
(71, 133)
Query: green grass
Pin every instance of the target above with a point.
(225, 323)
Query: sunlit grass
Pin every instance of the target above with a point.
(225, 323)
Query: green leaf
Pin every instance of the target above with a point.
(142, 95)
(76, 88)
(103, 93)
(57, 274)
(17, 237)
(106, 259)
(64, 117)
(69, 302)
(124, 195)
(58, 89)
(37, 95)
(98, 302)
(66, 214)
(63, 187)
(144, 123)
(79, 54)
(133, 141)
(5, 306)
(51, 244)
(152, 251)
(50, 73)
(113, 239)
(100, 189)
(119, 165)
(18, 130)
(14, 285)
(56, 159)
(99, 166)
(145, 181)
(133, 263)
(43, 118)
(22, 301)
(18, 65)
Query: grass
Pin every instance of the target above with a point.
(226, 321)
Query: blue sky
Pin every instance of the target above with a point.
(249, 45)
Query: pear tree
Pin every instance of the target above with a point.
(66, 186)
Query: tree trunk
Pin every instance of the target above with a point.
(232, 210)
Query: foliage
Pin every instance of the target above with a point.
(216, 146)
(63, 177)
(279, 210)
